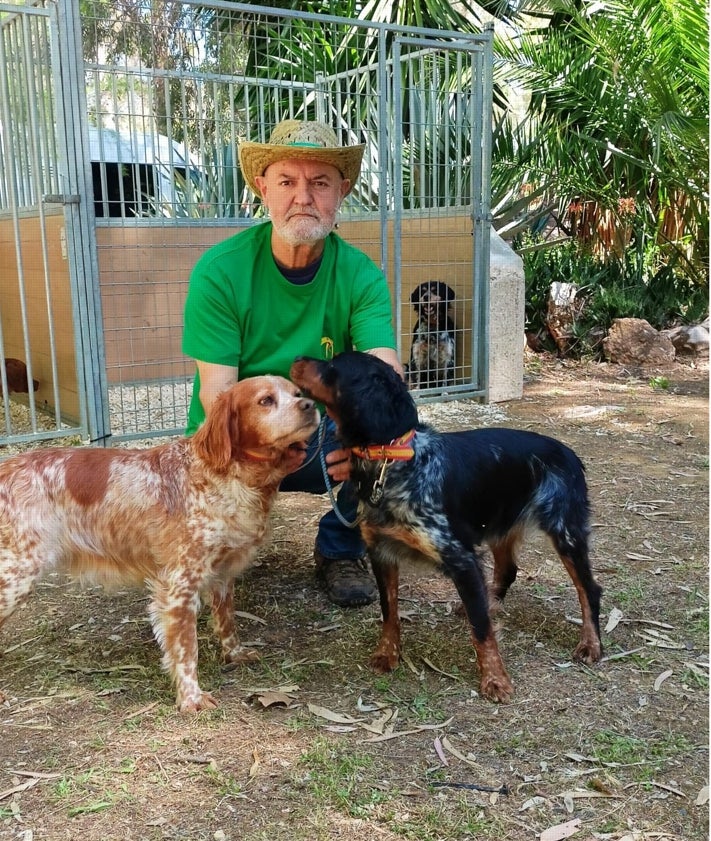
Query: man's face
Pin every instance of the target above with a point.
(303, 198)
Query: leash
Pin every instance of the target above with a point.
(332, 497)
(400, 449)
(319, 443)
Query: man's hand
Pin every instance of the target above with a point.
(338, 465)
(295, 456)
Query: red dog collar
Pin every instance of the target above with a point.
(253, 455)
(399, 449)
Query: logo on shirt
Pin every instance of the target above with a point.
(327, 347)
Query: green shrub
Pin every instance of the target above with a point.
(639, 285)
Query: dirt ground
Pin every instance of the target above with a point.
(309, 744)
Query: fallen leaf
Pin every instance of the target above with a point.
(702, 798)
(578, 757)
(532, 803)
(412, 667)
(22, 787)
(561, 831)
(362, 707)
(660, 680)
(272, 699)
(40, 775)
(629, 653)
(655, 639)
(250, 616)
(613, 620)
(440, 753)
(387, 736)
(439, 671)
(447, 745)
(329, 715)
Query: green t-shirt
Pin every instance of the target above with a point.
(241, 311)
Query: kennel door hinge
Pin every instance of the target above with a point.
(60, 198)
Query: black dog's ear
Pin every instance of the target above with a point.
(416, 293)
(373, 403)
(446, 293)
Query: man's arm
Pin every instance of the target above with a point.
(214, 379)
(390, 356)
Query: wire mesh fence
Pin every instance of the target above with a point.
(172, 89)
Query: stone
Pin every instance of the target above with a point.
(690, 339)
(633, 341)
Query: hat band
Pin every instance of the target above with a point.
(302, 143)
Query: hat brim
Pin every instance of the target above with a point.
(254, 158)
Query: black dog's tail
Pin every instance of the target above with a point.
(560, 505)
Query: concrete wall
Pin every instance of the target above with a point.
(507, 313)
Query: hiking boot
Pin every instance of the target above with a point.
(347, 581)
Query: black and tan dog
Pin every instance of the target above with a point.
(426, 495)
(433, 349)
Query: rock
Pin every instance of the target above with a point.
(633, 341)
(690, 339)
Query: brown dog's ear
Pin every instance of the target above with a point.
(217, 438)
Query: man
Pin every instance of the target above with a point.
(293, 287)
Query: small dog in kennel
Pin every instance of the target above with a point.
(433, 348)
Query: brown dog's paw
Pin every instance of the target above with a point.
(588, 652)
(195, 703)
(497, 688)
(239, 654)
(385, 658)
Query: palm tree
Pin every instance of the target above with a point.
(619, 120)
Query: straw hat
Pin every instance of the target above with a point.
(303, 141)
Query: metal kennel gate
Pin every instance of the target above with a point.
(49, 299)
(150, 107)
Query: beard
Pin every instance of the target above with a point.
(303, 230)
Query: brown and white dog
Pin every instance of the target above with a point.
(185, 517)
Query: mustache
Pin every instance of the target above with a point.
(311, 214)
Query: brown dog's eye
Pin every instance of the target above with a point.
(267, 401)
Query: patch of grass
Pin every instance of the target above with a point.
(85, 793)
(226, 784)
(694, 677)
(619, 749)
(445, 820)
(629, 597)
(659, 383)
(339, 776)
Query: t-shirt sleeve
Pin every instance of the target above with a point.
(371, 316)
(211, 331)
